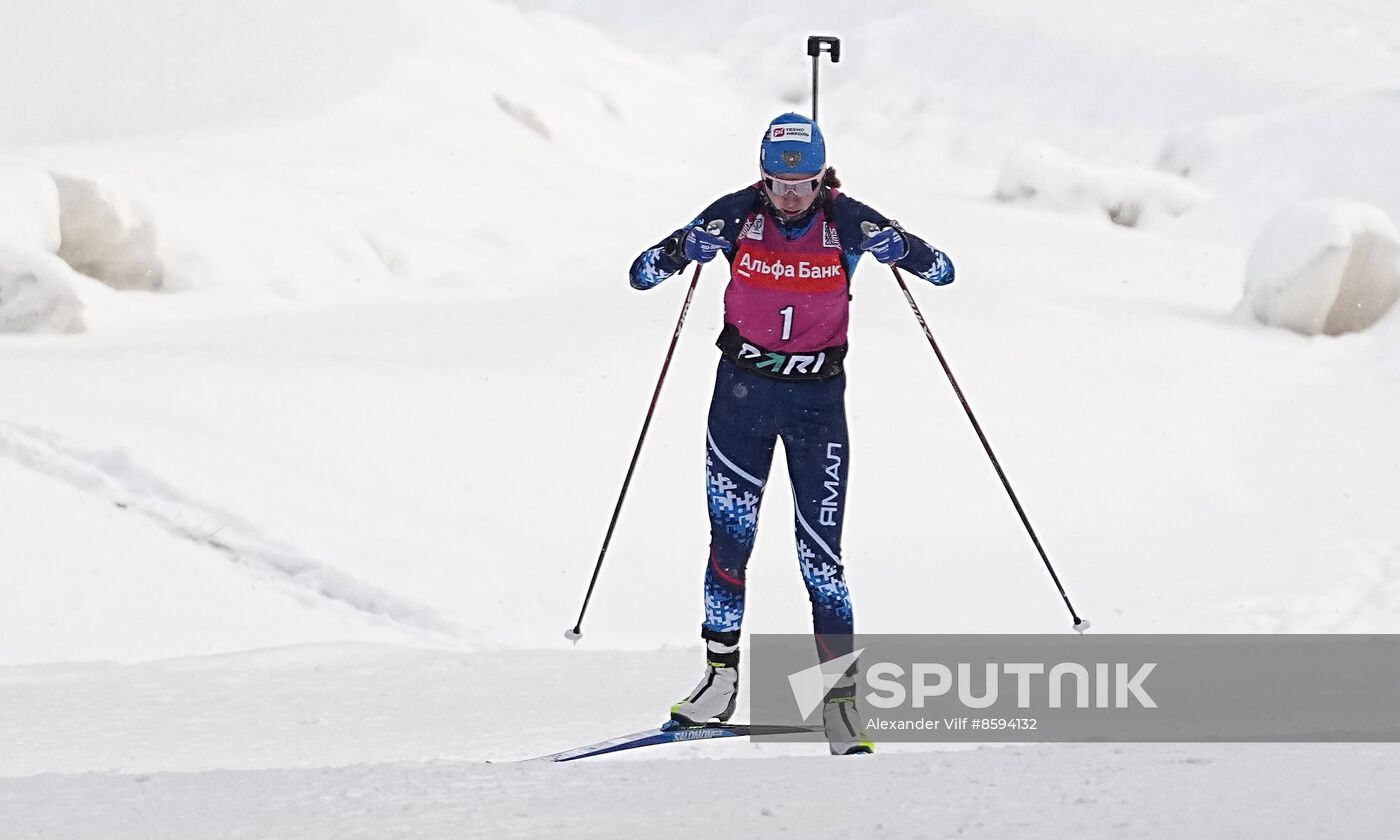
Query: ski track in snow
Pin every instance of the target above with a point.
(111, 475)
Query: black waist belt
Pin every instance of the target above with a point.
(818, 364)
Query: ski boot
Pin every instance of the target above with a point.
(718, 692)
(841, 722)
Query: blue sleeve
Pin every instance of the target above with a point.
(922, 258)
(665, 258)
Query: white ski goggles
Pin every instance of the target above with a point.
(779, 187)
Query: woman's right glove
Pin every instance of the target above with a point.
(701, 246)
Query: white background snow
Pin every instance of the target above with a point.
(295, 518)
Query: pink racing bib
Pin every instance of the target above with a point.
(790, 296)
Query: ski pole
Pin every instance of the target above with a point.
(1080, 624)
(816, 45)
(575, 633)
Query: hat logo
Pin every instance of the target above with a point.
(779, 132)
(791, 159)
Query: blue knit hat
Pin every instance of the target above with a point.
(792, 145)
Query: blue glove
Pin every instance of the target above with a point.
(701, 246)
(886, 244)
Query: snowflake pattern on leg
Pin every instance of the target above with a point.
(826, 583)
(737, 513)
(724, 606)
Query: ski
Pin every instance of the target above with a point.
(670, 733)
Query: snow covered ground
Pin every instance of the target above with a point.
(290, 537)
(363, 741)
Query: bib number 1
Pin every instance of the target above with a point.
(786, 312)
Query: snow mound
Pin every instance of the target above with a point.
(1324, 267)
(36, 293)
(28, 207)
(108, 234)
(1039, 172)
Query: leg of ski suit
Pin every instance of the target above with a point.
(748, 414)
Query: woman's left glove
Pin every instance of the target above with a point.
(886, 244)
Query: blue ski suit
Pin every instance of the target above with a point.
(781, 377)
